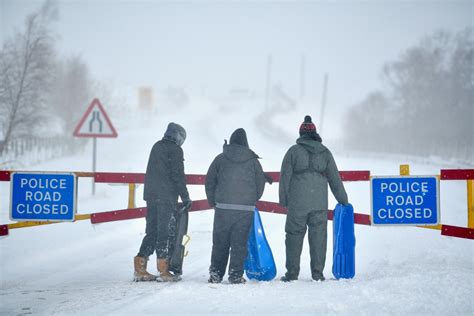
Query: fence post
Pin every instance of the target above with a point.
(131, 195)
(470, 203)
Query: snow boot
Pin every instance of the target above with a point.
(165, 275)
(214, 277)
(237, 280)
(288, 278)
(140, 274)
(318, 277)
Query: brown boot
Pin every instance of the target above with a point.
(140, 273)
(165, 275)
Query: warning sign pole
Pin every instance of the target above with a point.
(94, 161)
(95, 123)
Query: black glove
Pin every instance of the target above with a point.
(187, 204)
(268, 178)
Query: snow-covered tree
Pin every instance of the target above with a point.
(25, 74)
(428, 104)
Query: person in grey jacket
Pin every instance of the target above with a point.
(165, 181)
(307, 169)
(234, 183)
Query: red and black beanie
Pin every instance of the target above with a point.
(307, 127)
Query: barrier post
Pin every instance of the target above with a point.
(404, 170)
(131, 195)
(470, 203)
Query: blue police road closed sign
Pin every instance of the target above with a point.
(43, 196)
(405, 200)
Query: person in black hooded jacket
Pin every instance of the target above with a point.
(165, 181)
(234, 183)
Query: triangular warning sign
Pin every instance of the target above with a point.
(95, 122)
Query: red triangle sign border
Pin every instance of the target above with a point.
(95, 102)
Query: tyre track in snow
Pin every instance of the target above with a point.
(60, 289)
(117, 295)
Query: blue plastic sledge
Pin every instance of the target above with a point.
(260, 264)
(343, 264)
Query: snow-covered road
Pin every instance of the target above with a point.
(79, 268)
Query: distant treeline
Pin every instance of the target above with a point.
(427, 105)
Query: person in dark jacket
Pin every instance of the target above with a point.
(306, 170)
(165, 181)
(234, 183)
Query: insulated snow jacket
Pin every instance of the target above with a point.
(306, 170)
(165, 179)
(235, 179)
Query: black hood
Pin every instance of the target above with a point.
(239, 137)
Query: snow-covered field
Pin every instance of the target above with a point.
(79, 268)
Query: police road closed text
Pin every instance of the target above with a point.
(40, 196)
(405, 200)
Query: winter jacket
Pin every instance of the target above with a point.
(304, 185)
(165, 179)
(235, 179)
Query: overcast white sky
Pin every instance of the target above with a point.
(219, 45)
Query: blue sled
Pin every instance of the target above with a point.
(343, 264)
(260, 264)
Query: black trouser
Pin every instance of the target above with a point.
(160, 230)
(230, 234)
(295, 229)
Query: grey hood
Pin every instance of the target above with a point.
(311, 145)
(175, 133)
(238, 153)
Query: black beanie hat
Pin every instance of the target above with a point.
(239, 137)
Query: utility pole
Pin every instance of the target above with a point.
(323, 101)
(267, 93)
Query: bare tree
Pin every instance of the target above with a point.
(25, 64)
